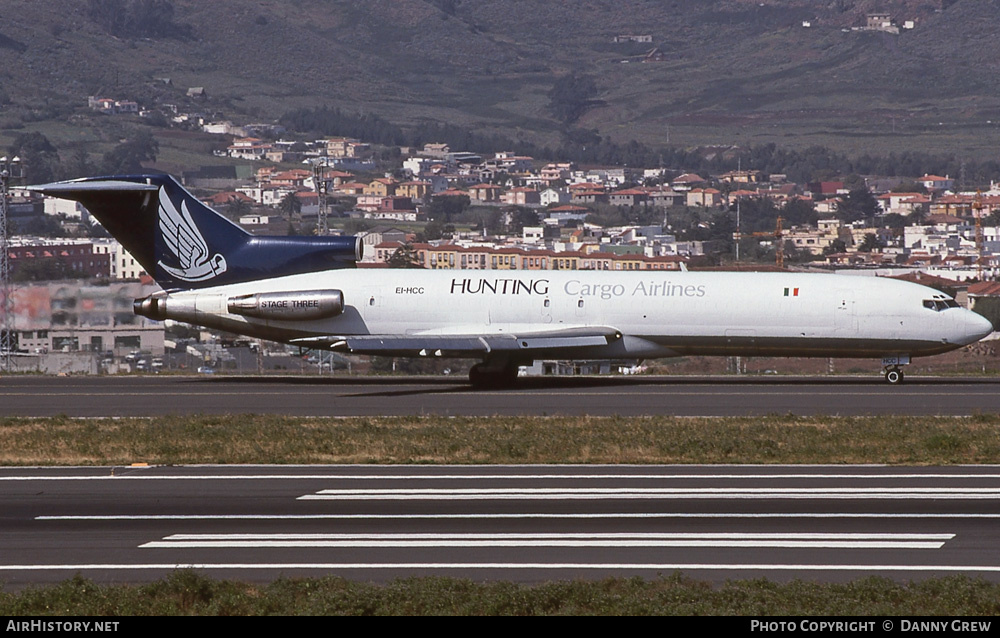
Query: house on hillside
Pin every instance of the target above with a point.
(641, 38)
(936, 182)
(706, 197)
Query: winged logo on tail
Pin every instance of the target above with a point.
(182, 238)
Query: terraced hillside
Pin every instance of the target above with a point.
(715, 71)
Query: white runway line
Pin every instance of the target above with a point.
(616, 540)
(542, 493)
(515, 516)
(657, 567)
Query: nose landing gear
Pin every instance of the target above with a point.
(892, 368)
(893, 376)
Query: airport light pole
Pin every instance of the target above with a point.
(9, 169)
(321, 185)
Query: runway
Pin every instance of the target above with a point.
(95, 396)
(526, 524)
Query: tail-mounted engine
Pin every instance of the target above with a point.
(302, 305)
(289, 306)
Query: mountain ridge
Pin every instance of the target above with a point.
(732, 71)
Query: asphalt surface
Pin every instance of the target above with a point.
(525, 524)
(95, 396)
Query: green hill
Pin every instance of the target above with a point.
(725, 71)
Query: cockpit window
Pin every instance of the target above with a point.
(937, 305)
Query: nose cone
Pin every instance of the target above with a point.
(976, 326)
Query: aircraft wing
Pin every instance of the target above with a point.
(465, 345)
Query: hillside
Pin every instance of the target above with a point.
(730, 71)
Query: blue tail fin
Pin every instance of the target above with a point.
(184, 244)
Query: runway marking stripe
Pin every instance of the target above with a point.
(543, 566)
(619, 540)
(887, 493)
(580, 535)
(526, 515)
(668, 490)
(619, 543)
(623, 496)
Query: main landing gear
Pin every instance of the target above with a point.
(493, 374)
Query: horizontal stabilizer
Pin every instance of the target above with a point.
(185, 245)
(66, 190)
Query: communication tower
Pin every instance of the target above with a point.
(977, 212)
(9, 169)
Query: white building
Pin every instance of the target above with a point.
(123, 264)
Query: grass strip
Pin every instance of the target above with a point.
(249, 439)
(473, 440)
(190, 593)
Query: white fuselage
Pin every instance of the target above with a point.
(659, 314)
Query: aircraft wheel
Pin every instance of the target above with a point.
(894, 376)
(483, 377)
(508, 376)
(477, 377)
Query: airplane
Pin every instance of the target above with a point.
(307, 291)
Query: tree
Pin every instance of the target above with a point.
(871, 243)
(44, 226)
(445, 208)
(857, 205)
(137, 18)
(128, 156)
(79, 165)
(39, 156)
(492, 221)
(799, 212)
(291, 206)
(894, 220)
(855, 182)
(834, 247)
(571, 96)
(404, 257)
(432, 230)
(237, 207)
(519, 217)
(757, 215)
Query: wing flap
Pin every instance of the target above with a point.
(458, 345)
